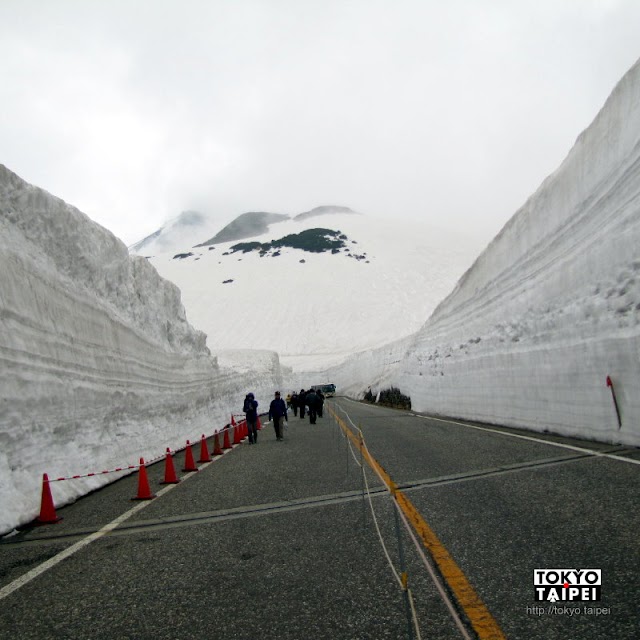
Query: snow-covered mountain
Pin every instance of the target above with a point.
(247, 225)
(184, 230)
(194, 228)
(318, 286)
(98, 365)
(549, 310)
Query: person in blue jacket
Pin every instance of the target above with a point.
(278, 413)
(251, 411)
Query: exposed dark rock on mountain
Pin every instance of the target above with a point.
(190, 227)
(246, 225)
(312, 240)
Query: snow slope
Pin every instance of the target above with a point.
(549, 309)
(316, 309)
(184, 230)
(98, 365)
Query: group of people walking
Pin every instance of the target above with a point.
(311, 401)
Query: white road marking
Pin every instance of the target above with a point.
(52, 562)
(591, 452)
(538, 440)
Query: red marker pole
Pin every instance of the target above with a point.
(615, 402)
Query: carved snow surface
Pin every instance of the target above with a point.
(550, 308)
(98, 364)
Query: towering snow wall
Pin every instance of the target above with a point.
(374, 369)
(98, 364)
(552, 306)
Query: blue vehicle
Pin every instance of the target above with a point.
(328, 390)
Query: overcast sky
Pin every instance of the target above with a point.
(452, 111)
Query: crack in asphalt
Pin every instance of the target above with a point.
(222, 515)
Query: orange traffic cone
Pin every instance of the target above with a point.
(217, 451)
(189, 462)
(170, 476)
(144, 491)
(245, 429)
(233, 422)
(236, 435)
(258, 423)
(47, 509)
(226, 444)
(204, 450)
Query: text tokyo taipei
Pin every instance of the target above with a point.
(567, 585)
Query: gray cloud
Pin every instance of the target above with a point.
(453, 112)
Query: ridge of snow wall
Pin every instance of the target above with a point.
(98, 364)
(373, 370)
(552, 306)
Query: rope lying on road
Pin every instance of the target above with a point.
(401, 579)
(482, 621)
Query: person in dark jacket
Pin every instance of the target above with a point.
(294, 403)
(320, 403)
(302, 401)
(251, 413)
(312, 403)
(278, 413)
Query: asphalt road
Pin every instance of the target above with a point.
(277, 541)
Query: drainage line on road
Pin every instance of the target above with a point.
(488, 473)
(201, 518)
(415, 485)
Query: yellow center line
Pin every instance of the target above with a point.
(483, 623)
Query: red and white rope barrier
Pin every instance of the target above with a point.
(129, 467)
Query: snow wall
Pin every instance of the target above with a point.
(552, 306)
(98, 364)
(375, 369)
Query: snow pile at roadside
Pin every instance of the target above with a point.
(98, 364)
(547, 312)
(552, 306)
